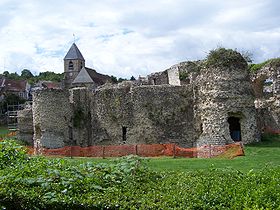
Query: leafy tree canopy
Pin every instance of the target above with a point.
(26, 74)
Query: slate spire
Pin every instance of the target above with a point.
(74, 53)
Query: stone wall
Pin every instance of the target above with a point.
(114, 116)
(224, 93)
(195, 114)
(268, 112)
(158, 78)
(80, 132)
(25, 125)
(270, 71)
(164, 114)
(173, 76)
(186, 72)
(143, 114)
(268, 106)
(52, 117)
(111, 112)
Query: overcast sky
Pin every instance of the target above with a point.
(133, 37)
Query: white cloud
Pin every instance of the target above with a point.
(130, 37)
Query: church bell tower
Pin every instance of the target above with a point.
(73, 63)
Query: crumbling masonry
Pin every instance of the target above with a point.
(217, 102)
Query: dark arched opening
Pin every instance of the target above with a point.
(234, 128)
(70, 66)
(124, 131)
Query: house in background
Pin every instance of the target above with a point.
(48, 85)
(20, 88)
(41, 85)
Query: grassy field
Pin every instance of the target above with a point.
(248, 182)
(3, 131)
(257, 156)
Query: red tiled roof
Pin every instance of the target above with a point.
(98, 78)
(51, 85)
(15, 85)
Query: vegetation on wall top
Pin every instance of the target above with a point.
(183, 75)
(272, 62)
(222, 57)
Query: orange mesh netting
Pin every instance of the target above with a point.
(144, 150)
(8, 135)
(271, 130)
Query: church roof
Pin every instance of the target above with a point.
(88, 75)
(83, 77)
(74, 53)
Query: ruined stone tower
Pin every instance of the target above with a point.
(214, 108)
(73, 63)
(225, 100)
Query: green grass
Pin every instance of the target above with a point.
(127, 183)
(257, 156)
(256, 67)
(3, 131)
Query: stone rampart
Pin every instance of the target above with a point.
(164, 114)
(114, 116)
(25, 125)
(52, 116)
(143, 114)
(225, 94)
(214, 107)
(173, 76)
(267, 105)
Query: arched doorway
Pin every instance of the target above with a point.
(234, 128)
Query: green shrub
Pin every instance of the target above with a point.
(183, 75)
(225, 58)
(11, 153)
(79, 117)
(126, 183)
(275, 62)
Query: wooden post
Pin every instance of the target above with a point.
(103, 152)
(136, 150)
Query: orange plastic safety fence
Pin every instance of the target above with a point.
(8, 135)
(227, 151)
(144, 150)
(271, 130)
(30, 150)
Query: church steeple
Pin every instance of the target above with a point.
(73, 63)
(74, 53)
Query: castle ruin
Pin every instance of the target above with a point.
(216, 101)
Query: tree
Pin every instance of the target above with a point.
(14, 76)
(13, 99)
(50, 76)
(247, 55)
(121, 80)
(132, 78)
(114, 79)
(6, 73)
(26, 74)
